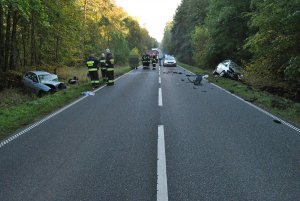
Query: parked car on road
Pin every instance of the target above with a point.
(228, 69)
(42, 82)
(169, 61)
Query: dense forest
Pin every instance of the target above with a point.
(261, 36)
(54, 32)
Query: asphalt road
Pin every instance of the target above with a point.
(154, 136)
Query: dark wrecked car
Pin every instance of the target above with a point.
(229, 69)
(42, 82)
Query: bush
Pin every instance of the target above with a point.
(11, 79)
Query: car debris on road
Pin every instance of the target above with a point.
(74, 80)
(197, 81)
(88, 93)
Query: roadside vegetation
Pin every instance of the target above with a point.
(57, 37)
(284, 108)
(19, 108)
(261, 36)
(38, 34)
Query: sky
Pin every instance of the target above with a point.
(152, 14)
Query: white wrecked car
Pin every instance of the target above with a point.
(229, 69)
(42, 82)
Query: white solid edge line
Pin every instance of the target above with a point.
(13, 137)
(254, 106)
(160, 97)
(258, 108)
(162, 184)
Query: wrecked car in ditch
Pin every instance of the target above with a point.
(229, 69)
(42, 82)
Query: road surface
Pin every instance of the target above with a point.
(153, 136)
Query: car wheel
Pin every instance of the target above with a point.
(62, 86)
(235, 77)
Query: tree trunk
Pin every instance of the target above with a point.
(14, 43)
(84, 26)
(1, 38)
(7, 39)
(39, 48)
(24, 34)
(32, 41)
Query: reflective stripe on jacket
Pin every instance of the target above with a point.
(93, 69)
(92, 64)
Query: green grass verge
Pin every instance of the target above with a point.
(19, 110)
(281, 107)
(193, 69)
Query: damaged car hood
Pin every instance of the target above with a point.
(51, 82)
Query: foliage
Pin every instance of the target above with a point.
(200, 40)
(53, 32)
(292, 71)
(189, 14)
(10, 79)
(134, 52)
(136, 35)
(206, 32)
(228, 29)
(260, 35)
(167, 39)
(18, 109)
(275, 52)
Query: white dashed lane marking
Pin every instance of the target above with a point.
(162, 184)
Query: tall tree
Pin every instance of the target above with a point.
(167, 39)
(189, 14)
(38, 32)
(227, 29)
(7, 38)
(276, 54)
(2, 40)
(200, 41)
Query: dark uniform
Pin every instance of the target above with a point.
(146, 60)
(103, 68)
(109, 60)
(154, 61)
(92, 64)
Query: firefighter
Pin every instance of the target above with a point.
(103, 68)
(146, 60)
(109, 62)
(92, 64)
(154, 61)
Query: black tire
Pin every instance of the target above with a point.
(62, 86)
(235, 77)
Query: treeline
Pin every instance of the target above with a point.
(262, 36)
(52, 32)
